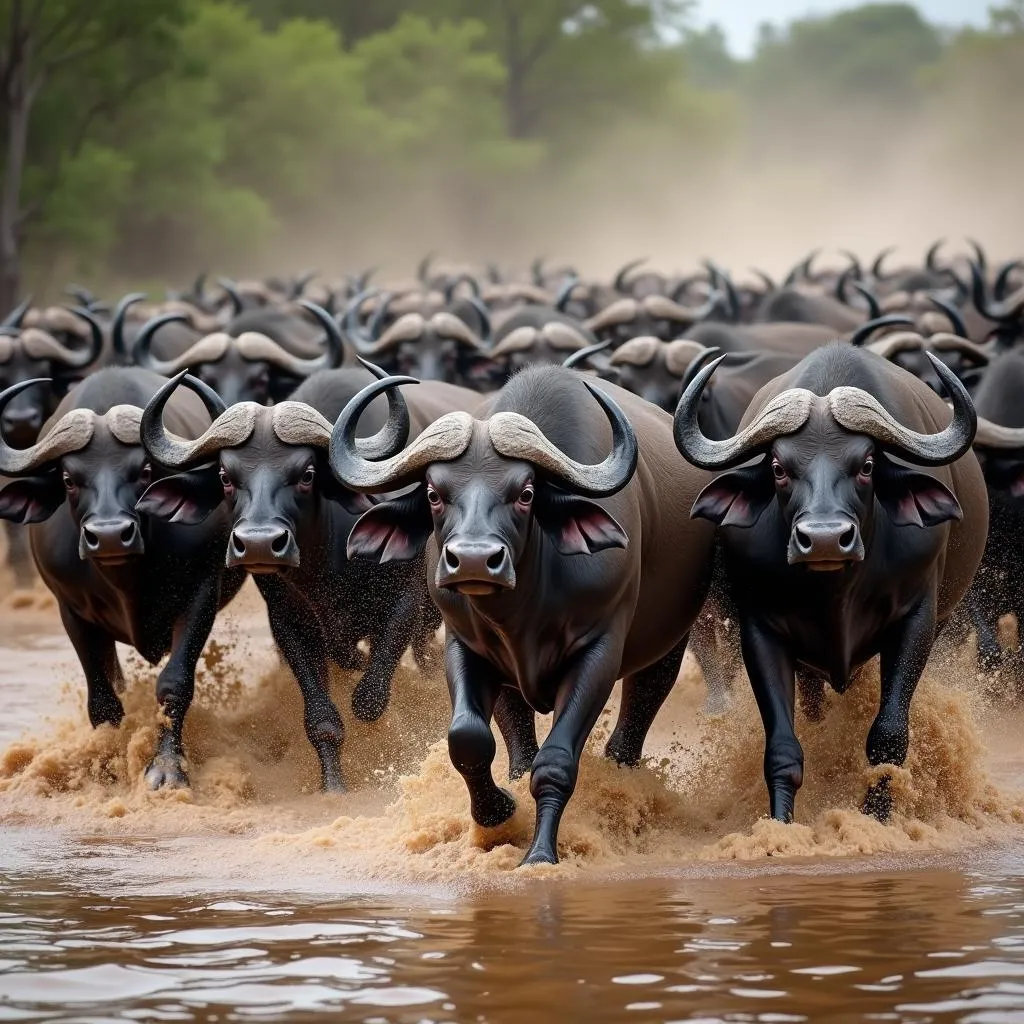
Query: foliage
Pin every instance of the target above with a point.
(186, 133)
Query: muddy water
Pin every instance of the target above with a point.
(253, 896)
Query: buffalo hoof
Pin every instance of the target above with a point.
(539, 855)
(782, 803)
(166, 772)
(878, 802)
(369, 700)
(622, 752)
(494, 810)
(332, 782)
(105, 711)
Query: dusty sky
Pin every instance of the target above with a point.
(740, 18)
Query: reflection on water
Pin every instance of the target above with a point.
(916, 946)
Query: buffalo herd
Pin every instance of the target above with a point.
(576, 477)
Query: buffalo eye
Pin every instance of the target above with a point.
(305, 484)
(779, 471)
(69, 485)
(525, 498)
(145, 474)
(434, 498)
(868, 468)
(226, 481)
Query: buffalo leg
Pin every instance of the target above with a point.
(297, 633)
(642, 697)
(773, 680)
(986, 624)
(474, 686)
(904, 655)
(98, 657)
(582, 695)
(372, 693)
(176, 685)
(19, 557)
(518, 729)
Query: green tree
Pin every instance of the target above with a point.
(77, 63)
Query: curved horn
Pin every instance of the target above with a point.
(334, 342)
(237, 306)
(78, 359)
(16, 315)
(350, 317)
(901, 341)
(1003, 278)
(300, 282)
(70, 433)
(423, 267)
(484, 313)
(954, 343)
(583, 354)
(364, 278)
(517, 437)
(565, 292)
(721, 278)
(861, 335)
(376, 320)
(199, 285)
(230, 428)
(855, 268)
(786, 413)
(392, 437)
(860, 413)
(449, 288)
(1007, 312)
(929, 256)
(446, 438)
(979, 254)
(876, 266)
(619, 284)
(117, 341)
(874, 309)
(959, 327)
(622, 311)
(765, 279)
(995, 435)
(85, 297)
(699, 360)
(142, 354)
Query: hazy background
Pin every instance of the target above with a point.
(252, 136)
(740, 19)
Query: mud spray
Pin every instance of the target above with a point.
(698, 798)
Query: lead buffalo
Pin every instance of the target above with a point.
(835, 551)
(543, 589)
(118, 575)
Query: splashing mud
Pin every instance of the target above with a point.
(698, 799)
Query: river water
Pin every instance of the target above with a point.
(254, 897)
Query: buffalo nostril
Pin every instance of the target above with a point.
(280, 543)
(128, 534)
(90, 538)
(848, 538)
(494, 561)
(451, 559)
(237, 545)
(803, 542)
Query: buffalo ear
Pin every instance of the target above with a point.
(735, 499)
(393, 531)
(577, 526)
(187, 498)
(331, 489)
(915, 499)
(32, 499)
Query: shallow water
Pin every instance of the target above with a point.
(253, 897)
(935, 944)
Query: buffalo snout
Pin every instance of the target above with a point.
(21, 426)
(825, 544)
(110, 539)
(262, 548)
(476, 567)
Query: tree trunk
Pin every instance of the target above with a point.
(18, 102)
